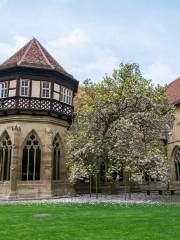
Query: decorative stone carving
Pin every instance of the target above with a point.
(16, 127)
(51, 132)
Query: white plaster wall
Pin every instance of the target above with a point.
(35, 89)
(13, 83)
(12, 92)
(56, 87)
(56, 96)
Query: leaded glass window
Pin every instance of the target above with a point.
(31, 159)
(177, 162)
(5, 157)
(56, 158)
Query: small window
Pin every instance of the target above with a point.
(24, 88)
(45, 93)
(66, 96)
(3, 89)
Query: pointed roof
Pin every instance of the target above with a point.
(33, 54)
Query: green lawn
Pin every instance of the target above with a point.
(95, 222)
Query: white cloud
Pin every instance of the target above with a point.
(102, 60)
(82, 55)
(85, 57)
(159, 73)
(19, 40)
(76, 38)
(7, 49)
(76, 51)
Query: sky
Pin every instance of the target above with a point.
(90, 38)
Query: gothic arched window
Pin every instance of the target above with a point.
(177, 162)
(31, 159)
(56, 158)
(5, 157)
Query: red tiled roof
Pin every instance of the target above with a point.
(173, 91)
(33, 54)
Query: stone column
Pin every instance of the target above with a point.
(68, 188)
(14, 161)
(63, 169)
(47, 173)
(63, 151)
(46, 160)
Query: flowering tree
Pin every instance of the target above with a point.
(121, 122)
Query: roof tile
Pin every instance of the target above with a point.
(173, 91)
(33, 54)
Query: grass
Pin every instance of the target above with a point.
(90, 222)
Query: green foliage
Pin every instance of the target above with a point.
(121, 123)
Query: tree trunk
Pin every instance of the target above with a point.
(90, 185)
(130, 189)
(96, 185)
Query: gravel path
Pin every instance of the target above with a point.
(122, 198)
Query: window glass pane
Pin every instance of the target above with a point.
(24, 88)
(31, 159)
(56, 159)
(5, 153)
(3, 90)
(67, 96)
(45, 90)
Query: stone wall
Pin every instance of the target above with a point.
(18, 127)
(173, 141)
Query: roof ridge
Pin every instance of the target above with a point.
(40, 48)
(23, 56)
(54, 60)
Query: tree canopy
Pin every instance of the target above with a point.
(121, 122)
